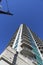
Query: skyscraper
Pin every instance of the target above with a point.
(25, 48)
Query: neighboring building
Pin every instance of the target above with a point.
(25, 48)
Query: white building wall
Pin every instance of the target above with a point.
(2, 62)
(8, 55)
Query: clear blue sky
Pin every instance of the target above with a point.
(29, 12)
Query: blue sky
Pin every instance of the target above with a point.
(29, 12)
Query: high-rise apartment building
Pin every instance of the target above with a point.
(25, 48)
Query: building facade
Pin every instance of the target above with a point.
(25, 48)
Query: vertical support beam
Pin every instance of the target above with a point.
(17, 41)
